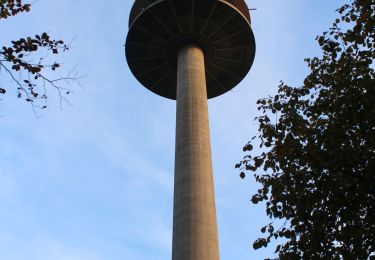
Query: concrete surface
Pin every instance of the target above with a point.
(194, 216)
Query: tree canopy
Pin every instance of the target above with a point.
(316, 161)
(26, 62)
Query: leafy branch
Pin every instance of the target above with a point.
(32, 79)
(316, 162)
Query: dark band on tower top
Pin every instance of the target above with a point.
(140, 5)
(159, 28)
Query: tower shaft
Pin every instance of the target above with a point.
(194, 216)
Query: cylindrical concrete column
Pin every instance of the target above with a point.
(194, 215)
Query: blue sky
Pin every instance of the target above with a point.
(94, 181)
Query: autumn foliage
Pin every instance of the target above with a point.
(316, 161)
(26, 62)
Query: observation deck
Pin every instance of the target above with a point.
(158, 29)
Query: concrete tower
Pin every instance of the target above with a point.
(191, 50)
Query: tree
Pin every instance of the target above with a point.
(32, 78)
(316, 161)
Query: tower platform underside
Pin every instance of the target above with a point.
(158, 29)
